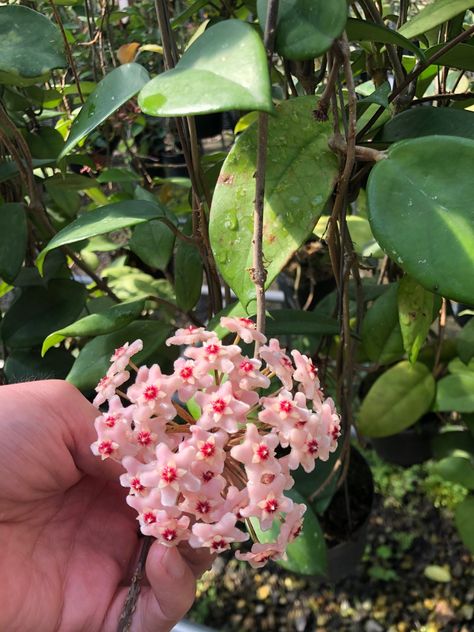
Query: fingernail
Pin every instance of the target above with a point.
(174, 564)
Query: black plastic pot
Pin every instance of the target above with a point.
(411, 446)
(346, 544)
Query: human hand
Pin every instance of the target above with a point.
(69, 542)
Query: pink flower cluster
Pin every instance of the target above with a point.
(203, 478)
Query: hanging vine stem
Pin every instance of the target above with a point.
(258, 272)
(68, 49)
(187, 135)
(414, 74)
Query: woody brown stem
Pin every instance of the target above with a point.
(258, 272)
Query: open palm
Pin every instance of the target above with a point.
(69, 543)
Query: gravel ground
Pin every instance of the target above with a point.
(389, 592)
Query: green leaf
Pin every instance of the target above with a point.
(362, 31)
(24, 365)
(308, 553)
(305, 28)
(94, 358)
(415, 313)
(13, 239)
(461, 56)
(111, 93)
(456, 469)
(464, 519)
(187, 275)
(40, 310)
(421, 212)
(434, 14)
(396, 400)
(132, 284)
(224, 69)
(438, 573)
(458, 366)
(102, 220)
(153, 242)
(362, 238)
(30, 45)
(296, 143)
(427, 121)
(465, 342)
(381, 334)
(104, 322)
(456, 393)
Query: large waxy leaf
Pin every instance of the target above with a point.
(94, 359)
(381, 334)
(308, 553)
(24, 365)
(98, 324)
(153, 242)
(362, 31)
(421, 211)
(30, 45)
(13, 239)
(456, 393)
(224, 69)
(300, 175)
(464, 518)
(111, 93)
(102, 220)
(397, 400)
(38, 311)
(427, 121)
(415, 312)
(436, 13)
(306, 28)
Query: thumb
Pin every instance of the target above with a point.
(170, 594)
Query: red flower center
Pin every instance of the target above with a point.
(212, 349)
(218, 406)
(169, 474)
(150, 393)
(106, 448)
(271, 505)
(312, 446)
(207, 476)
(118, 352)
(207, 449)
(286, 362)
(144, 437)
(203, 507)
(135, 484)
(149, 517)
(218, 544)
(110, 421)
(336, 433)
(186, 372)
(267, 478)
(248, 322)
(263, 452)
(169, 534)
(246, 366)
(286, 406)
(103, 382)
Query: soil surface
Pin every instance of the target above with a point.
(390, 591)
